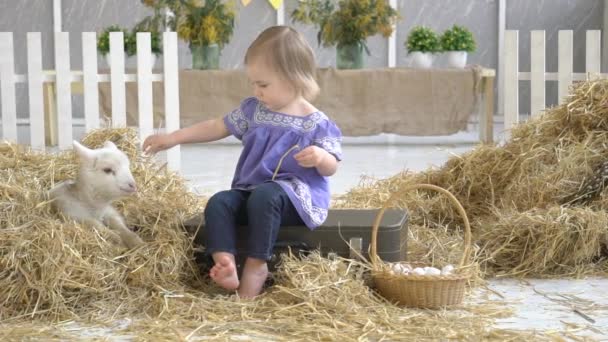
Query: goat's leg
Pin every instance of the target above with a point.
(129, 238)
(112, 236)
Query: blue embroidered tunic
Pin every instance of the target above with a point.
(266, 136)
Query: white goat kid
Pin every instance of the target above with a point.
(103, 177)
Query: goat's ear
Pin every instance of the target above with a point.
(82, 151)
(109, 144)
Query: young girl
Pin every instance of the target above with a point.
(289, 150)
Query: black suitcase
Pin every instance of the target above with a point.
(346, 232)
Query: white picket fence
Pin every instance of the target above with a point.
(538, 75)
(63, 77)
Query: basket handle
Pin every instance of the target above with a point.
(467, 231)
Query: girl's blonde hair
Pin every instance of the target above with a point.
(287, 51)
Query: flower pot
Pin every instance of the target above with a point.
(423, 60)
(132, 61)
(349, 56)
(205, 56)
(109, 59)
(456, 59)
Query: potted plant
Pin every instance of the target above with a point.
(205, 25)
(103, 41)
(422, 42)
(456, 43)
(130, 42)
(155, 45)
(347, 26)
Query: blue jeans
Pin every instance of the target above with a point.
(258, 214)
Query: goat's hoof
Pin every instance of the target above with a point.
(134, 242)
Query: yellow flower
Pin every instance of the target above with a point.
(197, 3)
(184, 32)
(351, 21)
(208, 32)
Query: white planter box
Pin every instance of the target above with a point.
(456, 59)
(423, 60)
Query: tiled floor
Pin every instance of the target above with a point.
(557, 305)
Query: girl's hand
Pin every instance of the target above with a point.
(311, 156)
(157, 142)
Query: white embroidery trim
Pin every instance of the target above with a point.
(302, 192)
(238, 120)
(330, 144)
(263, 116)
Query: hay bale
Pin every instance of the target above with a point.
(544, 242)
(547, 159)
(64, 281)
(315, 299)
(58, 269)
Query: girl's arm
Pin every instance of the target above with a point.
(328, 165)
(314, 156)
(204, 131)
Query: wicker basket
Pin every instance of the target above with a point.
(422, 291)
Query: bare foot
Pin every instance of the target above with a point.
(223, 272)
(254, 276)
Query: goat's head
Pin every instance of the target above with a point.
(105, 171)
